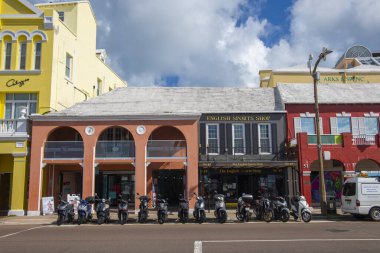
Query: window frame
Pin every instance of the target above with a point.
(21, 44)
(13, 102)
(337, 124)
(70, 68)
(365, 125)
(6, 56)
(269, 138)
(35, 55)
(61, 16)
(233, 139)
(217, 138)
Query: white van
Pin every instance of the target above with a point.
(361, 197)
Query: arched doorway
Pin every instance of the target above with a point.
(369, 167)
(333, 180)
(115, 174)
(166, 173)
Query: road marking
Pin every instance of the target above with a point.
(294, 240)
(19, 232)
(198, 247)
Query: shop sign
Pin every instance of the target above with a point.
(47, 205)
(238, 118)
(247, 164)
(342, 79)
(14, 82)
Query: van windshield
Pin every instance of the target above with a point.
(349, 189)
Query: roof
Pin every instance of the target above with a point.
(160, 101)
(329, 93)
(305, 69)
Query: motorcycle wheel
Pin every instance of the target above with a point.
(306, 216)
(161, 218)
(101, 220)
(141, 217)
(60, 219)
(222, 217)
(124, 218)
(246, 218)
(183, 217)
(70, 218)
(239, 216)
(285, 216)
(202, 217)
(81, 219)
(268, 215)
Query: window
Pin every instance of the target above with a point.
(69, 66)
(8, 55)
(264, 139)
(37, 55)
(16, 102)
(343, 125)
(371, 125)
(61, 15)
(238, 138)
(212, 138)
(349, 189)
(306, 125)
(99, 88)
(22, 55)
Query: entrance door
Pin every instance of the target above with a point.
(71, 183)
(5, 185)
(169, 184)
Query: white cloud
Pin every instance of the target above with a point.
(197, 40)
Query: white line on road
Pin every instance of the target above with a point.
(19, 232)
(294, 240)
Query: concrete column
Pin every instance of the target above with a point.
(140, 167)
(19, 180)
(192, 162)
(306, 185)
(88, 167)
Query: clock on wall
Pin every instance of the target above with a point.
(141, 130)
(89, 130)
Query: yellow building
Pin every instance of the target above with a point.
(357, 65)
(48, 62)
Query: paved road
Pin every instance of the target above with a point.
(318, 236)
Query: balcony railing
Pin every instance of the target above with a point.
(167, 148)
(64, 150)
(363, 140)
(326, 139)
(115, 149)
(13, 126)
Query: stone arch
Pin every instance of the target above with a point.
(367, 165)
(170, 138)
(53, 134)
(24, 33)
(8, 33)
(115, 142)
(39, 33)
(64, 143)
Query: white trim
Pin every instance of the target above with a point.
(7, 33)
(371, 114)
(217, 138)
(38, 32)
(307, 115)
(269, 136)
(343, 114)
(16, 213)
(25, 33)
(233, 139)
(20, 72)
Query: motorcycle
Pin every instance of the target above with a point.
(162, 209)
(280, 209)
(122, 210)
(183, 209)
(143, 212)
(220, 208)
(102, 210)
(243, 212)
(65, 211)
(199, 209)
(300, 207)
(264, 210)
(85, 210)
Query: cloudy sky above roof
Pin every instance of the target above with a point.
(226, 42)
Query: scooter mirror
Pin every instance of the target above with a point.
(137, 194)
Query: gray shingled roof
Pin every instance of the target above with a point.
(329, 93)
(175, 101)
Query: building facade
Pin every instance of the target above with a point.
(349, 116)
(357, 65)
(48, 62)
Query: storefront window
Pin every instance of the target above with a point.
(333, 181)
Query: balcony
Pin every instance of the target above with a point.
(115, 149)
(363, 140)
(14, 127)
(326, 139)
(166, 149)
(64, 150)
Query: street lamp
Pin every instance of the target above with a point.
(316, 77)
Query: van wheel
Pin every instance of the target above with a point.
(375, 214)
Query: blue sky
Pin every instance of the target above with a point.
(226, 42)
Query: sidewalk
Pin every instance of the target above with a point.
(172, 218)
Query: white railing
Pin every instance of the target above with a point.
(363, 140)
(12, 126)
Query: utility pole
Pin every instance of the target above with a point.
(316, 77)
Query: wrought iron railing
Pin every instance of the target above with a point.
(115, 149)
(166, 148)
(63, 150)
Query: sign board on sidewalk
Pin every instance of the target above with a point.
(47, 205)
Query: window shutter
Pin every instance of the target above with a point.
(222, 138)
(355, 125)
(255, 139)
(248, 138)
(334, 125)
(297, 126)
(274, 148)
(361, 125)
(320, 125)
(202, 135)
(229, 138)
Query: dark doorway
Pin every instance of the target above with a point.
(5, 186)
(169, 184)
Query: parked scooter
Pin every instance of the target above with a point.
(220, 208)
(102, 210)
(143, 212)
(280, 209)
(263, 209)
(300, 207)
(85, 210)
(199, 209)
(183, 209)
(162, 209)
(122, 210)
(65, 211)
(243, 212)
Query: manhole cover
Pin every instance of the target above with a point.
(337, 230)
